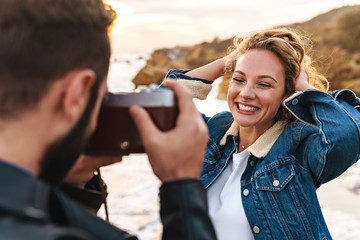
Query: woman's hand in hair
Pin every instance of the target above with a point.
(301, 82)
(215, 69)
(231, 56)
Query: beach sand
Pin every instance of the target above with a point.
(134, 205)
(341, 205)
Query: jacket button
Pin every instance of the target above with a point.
(295, 101)
(246, 192)
(276, 183)
(256, 229)
(252, 163)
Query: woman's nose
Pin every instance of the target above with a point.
(247, 91)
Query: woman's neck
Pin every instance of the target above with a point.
(248, 135)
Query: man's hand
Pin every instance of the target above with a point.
(179, 152)
(84, 169)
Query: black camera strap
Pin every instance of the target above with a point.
(103, 193)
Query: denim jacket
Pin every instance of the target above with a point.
(288, 162)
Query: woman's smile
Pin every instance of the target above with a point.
(246, 109)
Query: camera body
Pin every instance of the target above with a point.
(116, 133)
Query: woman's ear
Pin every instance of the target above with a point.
(77, 92)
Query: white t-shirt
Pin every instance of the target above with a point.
(225, 205)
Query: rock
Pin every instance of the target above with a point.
(162, 60)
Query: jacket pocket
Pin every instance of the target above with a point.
(280, 192)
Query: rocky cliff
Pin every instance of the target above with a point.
(336, 51)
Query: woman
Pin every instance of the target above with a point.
(283, 137)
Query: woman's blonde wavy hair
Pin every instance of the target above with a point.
(288, 46)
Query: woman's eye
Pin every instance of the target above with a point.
(265, 85)
(239, 80)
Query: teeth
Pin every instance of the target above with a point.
(247, 108)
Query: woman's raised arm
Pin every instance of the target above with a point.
(213, 70)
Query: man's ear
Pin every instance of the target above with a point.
(77, 92)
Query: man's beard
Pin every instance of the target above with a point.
(61, 155)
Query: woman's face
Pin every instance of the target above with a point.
(257, 89)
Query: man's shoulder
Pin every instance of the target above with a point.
(21, 228)
(24, 214)
(37, 210)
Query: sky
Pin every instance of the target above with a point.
(145, 25)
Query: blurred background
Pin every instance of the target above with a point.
(145, 25)
(151, 37)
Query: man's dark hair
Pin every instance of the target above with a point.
(42, 40)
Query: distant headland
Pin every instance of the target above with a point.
(336, 50)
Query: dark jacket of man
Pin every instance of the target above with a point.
(31, 209)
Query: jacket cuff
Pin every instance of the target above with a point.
(348, 96)
(200, 88)
(184, 211)
(171, 191)
(300, 103)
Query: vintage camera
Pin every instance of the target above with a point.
(116, 133)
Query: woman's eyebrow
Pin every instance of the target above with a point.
(267, 76)
(260, 77)
(240, 72)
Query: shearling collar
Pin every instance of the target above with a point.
(263, 144)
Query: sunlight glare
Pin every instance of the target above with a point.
(123, 12)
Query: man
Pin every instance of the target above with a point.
(54, 58)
